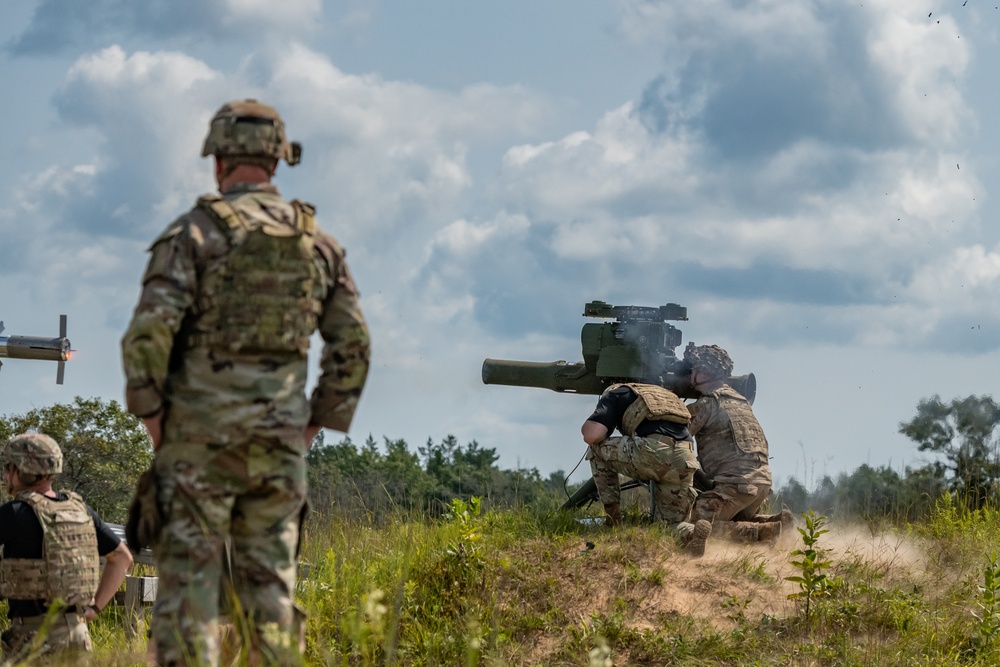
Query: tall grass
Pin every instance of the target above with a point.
(493, 587)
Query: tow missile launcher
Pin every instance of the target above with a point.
(638, 346)
(38, 347)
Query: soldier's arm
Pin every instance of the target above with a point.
(594, 432)
(346, 353)
(116, 565)
(701, 412)
(168, 289)
(601, 423)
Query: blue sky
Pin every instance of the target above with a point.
(812, 179)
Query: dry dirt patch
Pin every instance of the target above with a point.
(654, 578)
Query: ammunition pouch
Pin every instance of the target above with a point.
(145, 520)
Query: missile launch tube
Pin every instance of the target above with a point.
(556, 375)
(566, 377)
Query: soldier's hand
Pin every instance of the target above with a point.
(90, 612)
(154, 426)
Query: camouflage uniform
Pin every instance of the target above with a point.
(732, 450)
(667, 461)
(232, 292)
(69, 568)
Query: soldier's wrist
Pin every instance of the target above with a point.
(145, 401)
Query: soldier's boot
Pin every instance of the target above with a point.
(787, 520)
(696, 546)
(613, 512)
(769, 533)
(741, 532)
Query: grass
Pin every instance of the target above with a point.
(523, 588)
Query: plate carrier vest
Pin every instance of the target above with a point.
(70, 565)
(745, 433)
(653, 403)
(266, 295)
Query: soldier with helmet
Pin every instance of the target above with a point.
(732, 451)
(654, 445)
(215, 363)
(52, 543)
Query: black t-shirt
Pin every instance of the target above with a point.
(21, 537)
(612, 406)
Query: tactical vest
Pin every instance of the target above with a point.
(744, 426)
(653, 403)
(70, 566)
(735, 441)
(265, 295)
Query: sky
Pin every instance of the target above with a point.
(812, 179)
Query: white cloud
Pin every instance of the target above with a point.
(111, 68)
(462, 237)
(966, 279)
(922, 60)
(584, 172)
(150, 111)
(822, 214)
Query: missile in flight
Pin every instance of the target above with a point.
(38, 347)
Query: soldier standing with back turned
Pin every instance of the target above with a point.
(215, 361)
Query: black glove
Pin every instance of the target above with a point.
(144, 518)
(703, 482)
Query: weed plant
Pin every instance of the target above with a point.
(812, 579)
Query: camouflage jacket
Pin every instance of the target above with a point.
(165, 367)
(731, 444)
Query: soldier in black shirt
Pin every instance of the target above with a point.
(654, 446)
(51, 545)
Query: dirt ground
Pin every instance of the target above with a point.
(656, 580)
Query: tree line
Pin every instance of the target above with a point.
(105, 449)
(376, 481)
(960, 437)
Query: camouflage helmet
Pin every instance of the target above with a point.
(249, 129)
(710, 359)
(34, 454)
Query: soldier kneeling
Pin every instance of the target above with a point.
(654, 445)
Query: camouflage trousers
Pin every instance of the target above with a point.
(729, 501)
(31, 640)
(669, 464)
(731, 508)
(251, 494)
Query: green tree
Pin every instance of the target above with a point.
(868, 492)
(378, 480)
(963, 434)
(365, 481)
(794, 495)
(105, 449)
